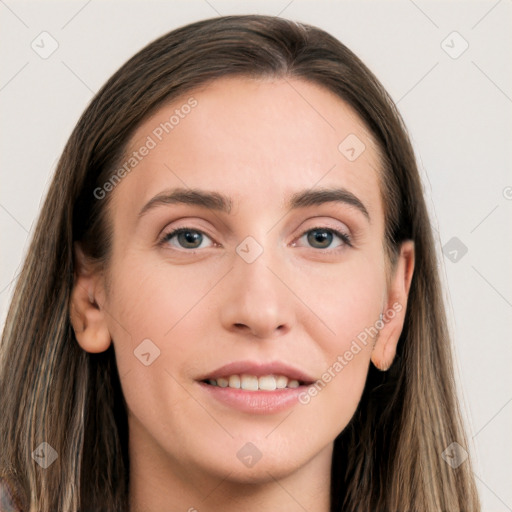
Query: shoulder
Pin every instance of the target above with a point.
(7, 497)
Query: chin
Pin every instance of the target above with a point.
(260, 473)
(248, 465)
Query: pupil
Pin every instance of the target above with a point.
(190, 237)
(320, 236)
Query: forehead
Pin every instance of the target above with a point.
(241, 135)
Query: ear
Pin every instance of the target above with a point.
(393, 314)
(87, 317)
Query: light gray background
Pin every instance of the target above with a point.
(458, 111)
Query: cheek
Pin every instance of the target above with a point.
(349, 305)
(348, 300)
(345, 354)
(157, 316)
(335, 396)
(154, 314)
(150, 300)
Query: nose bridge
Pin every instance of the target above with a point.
(258, 301)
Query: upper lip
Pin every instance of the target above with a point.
(259, 369)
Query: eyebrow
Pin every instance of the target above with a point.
(221, 203)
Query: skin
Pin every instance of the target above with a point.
(257, 141)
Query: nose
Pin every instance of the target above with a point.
(259, 303)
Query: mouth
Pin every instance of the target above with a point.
(258, 376)
(248, 382)
(254, 387)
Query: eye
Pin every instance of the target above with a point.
(188, 238)
(322, 237)
(319, 238)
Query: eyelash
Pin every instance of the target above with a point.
(345, 238)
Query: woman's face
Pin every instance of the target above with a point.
(264, 281)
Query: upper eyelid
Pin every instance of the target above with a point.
(174, 231)
(346, 238)
(325, 224)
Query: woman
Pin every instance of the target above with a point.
(297, 358)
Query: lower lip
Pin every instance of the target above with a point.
(255, 402)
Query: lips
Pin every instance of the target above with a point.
(254, 387)
(259, 369)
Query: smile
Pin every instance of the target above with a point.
(254, 383)
(256, 387)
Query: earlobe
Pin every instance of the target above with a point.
(393, 316)
(87, 317)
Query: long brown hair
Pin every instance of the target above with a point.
(389, 456)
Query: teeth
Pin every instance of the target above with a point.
(234, 381)
(281, 382)
(253, 383)
(267, 383)
(223, 383)
(249, 382)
